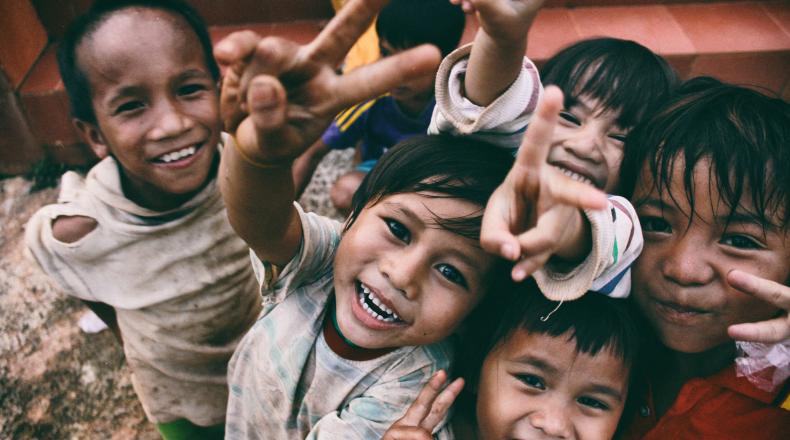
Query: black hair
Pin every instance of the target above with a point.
(621, 75)
(75, 78)
(408, 23)
(594, 323)
(437, 166)
(745, 135)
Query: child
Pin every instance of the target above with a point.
(354, 321)
(144, 238)
(708, 176)
(378, 124)
(567, 376)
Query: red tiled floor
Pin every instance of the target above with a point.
(44, 77)
(765, 69)
(730, 27)
(22, 41)
(652, 26)
(552, 30)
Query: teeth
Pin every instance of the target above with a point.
(575, 176)
(176, 155)
(366, 296)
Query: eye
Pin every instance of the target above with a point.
(452, 274)
(741, 241)
(593, 403)
(569, 117)
(655, 224)
(129, 106)
(532, 381)
(191, 89)
(618, 137)
(398, 230)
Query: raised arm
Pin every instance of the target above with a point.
(283, 96)
(499, 46)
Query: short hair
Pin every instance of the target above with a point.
(439, 166)
(594, 323)
(75, 79)
(622, 75)
(408, 23)
(745, 135)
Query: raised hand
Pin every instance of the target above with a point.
(503, 20)
(280, 96)
(427, 411)
(536, 212)
(772, 330)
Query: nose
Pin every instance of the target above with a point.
(586, 142)
(686, 262)
(404, 268)
(553, 420)
(170, 121)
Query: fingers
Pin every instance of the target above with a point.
(442, 404)
(422, 404)
(498, 222)
(236, 48)
(407, 433)
(353, 19)
(376, 79)
(769, 332)
(766, 290)
(537, 141)
(266, 103)
(566, 191)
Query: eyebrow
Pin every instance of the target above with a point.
(544, 365)
(193, 73)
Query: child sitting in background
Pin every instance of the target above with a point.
(708, 176)
(143, 239)
(377, 124)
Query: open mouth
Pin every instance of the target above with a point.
(176, 156)
(374, 307)
(574, 175)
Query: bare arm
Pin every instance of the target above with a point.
(499, 46)
(305, 165)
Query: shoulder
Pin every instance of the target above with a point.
(69, 229)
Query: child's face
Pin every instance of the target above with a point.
(680, 278)
(536, 386)
(155, 101)
(401, 279)
(589, 143)
(418, 90)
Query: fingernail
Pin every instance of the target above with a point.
(263, 95)
(509, 251)
(519, 274)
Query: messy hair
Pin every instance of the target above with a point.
(437, 166)
(621, 75)
(408, 23)
(74, 76)
(743, 133)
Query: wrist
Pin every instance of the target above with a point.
(262, 163)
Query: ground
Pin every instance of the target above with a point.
(57, 382)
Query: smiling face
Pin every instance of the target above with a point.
(536, 386)
(680, 278)
(588, 144)
(156, 104)
(401, 279)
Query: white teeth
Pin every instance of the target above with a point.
(575, 176)
(176, 155)
(366, 294)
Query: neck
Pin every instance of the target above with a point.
(341, 345)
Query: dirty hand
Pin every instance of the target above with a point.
(427, 411)
(772, 330)
(536, 212)
(507, 21)
(280, 96)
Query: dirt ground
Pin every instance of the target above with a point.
(57, 382)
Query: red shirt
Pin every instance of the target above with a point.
(721, 406)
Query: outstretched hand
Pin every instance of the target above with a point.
(536, 212)
(503, 20)
(770, 331)
(427, 411)
(279, 96)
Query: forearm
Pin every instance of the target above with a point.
(259, 203)
(577, 239)
(306, 164)
(493, 66)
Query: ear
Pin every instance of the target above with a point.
(91, 134)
